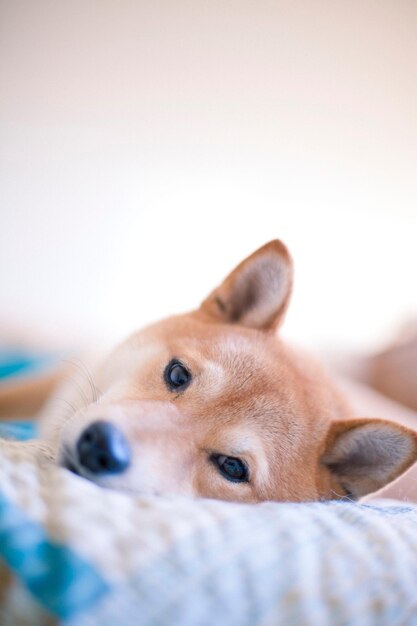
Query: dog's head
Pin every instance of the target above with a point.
(214, 404)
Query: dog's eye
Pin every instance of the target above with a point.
(176, 376)
(231, 468)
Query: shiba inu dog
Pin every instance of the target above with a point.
(214, 404)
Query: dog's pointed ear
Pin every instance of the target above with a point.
(366, 454)
(256, 294)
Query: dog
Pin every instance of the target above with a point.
(214, 404)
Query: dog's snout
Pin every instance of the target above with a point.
(103, 449)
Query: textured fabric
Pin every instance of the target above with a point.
(95, 557)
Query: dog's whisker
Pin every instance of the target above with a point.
(94, 389)
(345, 497)
(82, 370)
(67, 402)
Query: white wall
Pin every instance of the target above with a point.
(147, 146)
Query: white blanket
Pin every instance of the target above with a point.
(90, 556)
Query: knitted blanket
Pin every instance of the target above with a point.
(74, 554)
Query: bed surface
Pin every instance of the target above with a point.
(86, 556)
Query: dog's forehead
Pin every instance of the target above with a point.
(231, 348)
(238, 370)
(225, 358)
(233, 352)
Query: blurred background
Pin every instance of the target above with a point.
(146, 147)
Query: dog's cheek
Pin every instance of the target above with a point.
(160, 466)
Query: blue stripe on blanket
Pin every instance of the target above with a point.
(59, 579)
(16, 362)
(20, 430)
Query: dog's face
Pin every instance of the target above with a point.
(214, 404)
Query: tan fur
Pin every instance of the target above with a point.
(252, 396)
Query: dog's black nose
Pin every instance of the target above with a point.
(103, 449)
